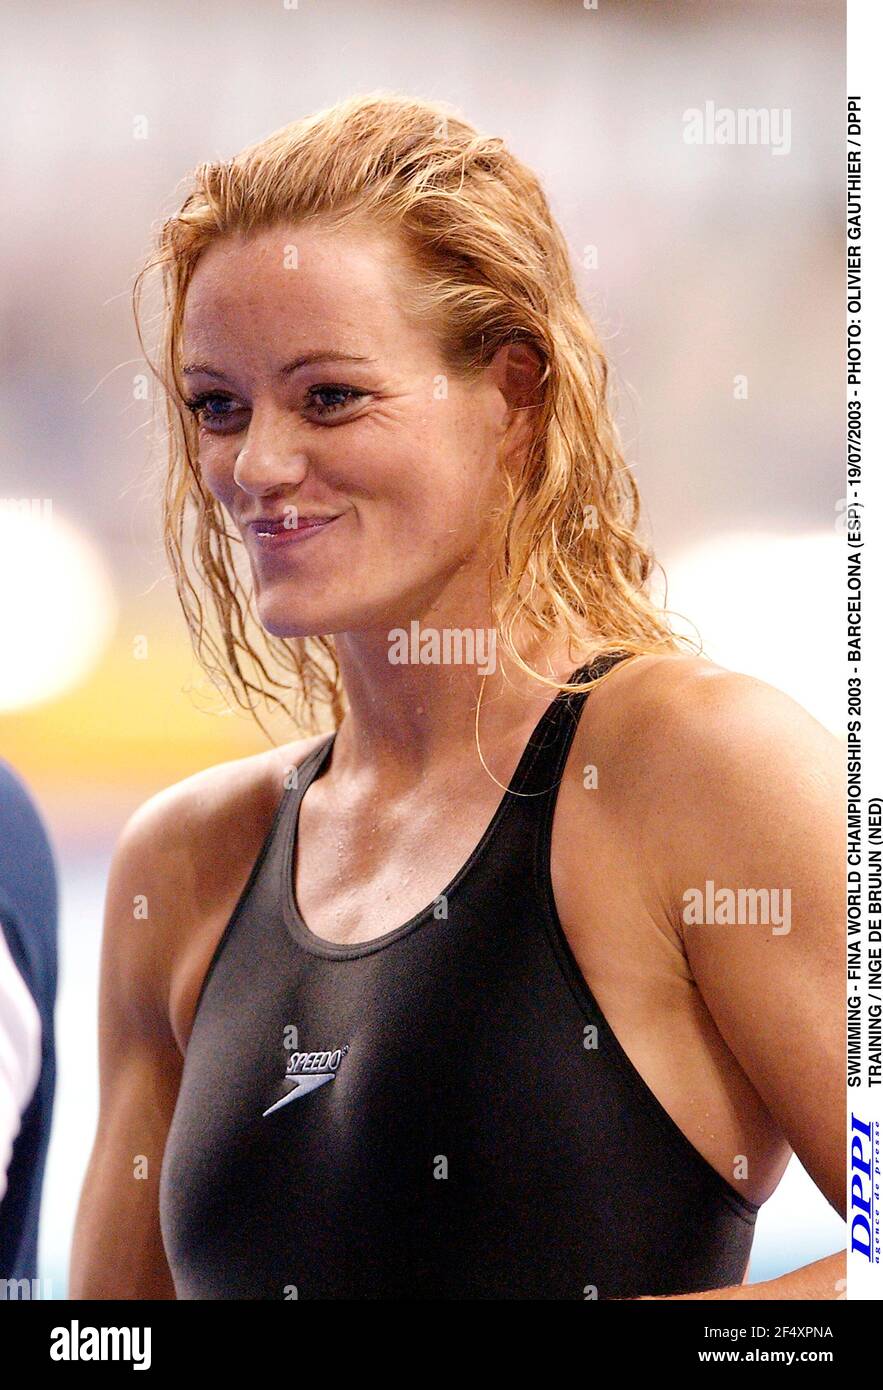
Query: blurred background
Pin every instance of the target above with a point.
(714, 273)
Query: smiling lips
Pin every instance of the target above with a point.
(271, 533)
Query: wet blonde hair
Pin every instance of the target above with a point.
(490, 267)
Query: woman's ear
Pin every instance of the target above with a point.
(516, 370)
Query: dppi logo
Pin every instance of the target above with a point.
(864, 1170)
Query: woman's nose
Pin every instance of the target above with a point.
(272, 454)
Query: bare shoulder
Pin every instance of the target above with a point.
(242, 794)
(686, 719)
(711, 767)
(180, 863)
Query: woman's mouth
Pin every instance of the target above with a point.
(272, 533)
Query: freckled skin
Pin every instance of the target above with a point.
(414, 477)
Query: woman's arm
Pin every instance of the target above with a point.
(822, 1279)
(756, 888)
(118, 1250)
(178, 871)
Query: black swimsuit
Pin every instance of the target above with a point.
(441, 1112)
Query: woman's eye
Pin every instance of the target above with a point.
(218, 414)
(330, 400)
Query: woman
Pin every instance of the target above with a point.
(425, 1006)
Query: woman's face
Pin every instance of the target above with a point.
(359, 474)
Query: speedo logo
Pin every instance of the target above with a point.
(306, 1071)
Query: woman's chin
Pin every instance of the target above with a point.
(279, 625)
(285, 620)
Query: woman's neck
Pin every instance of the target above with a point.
(412, 708)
